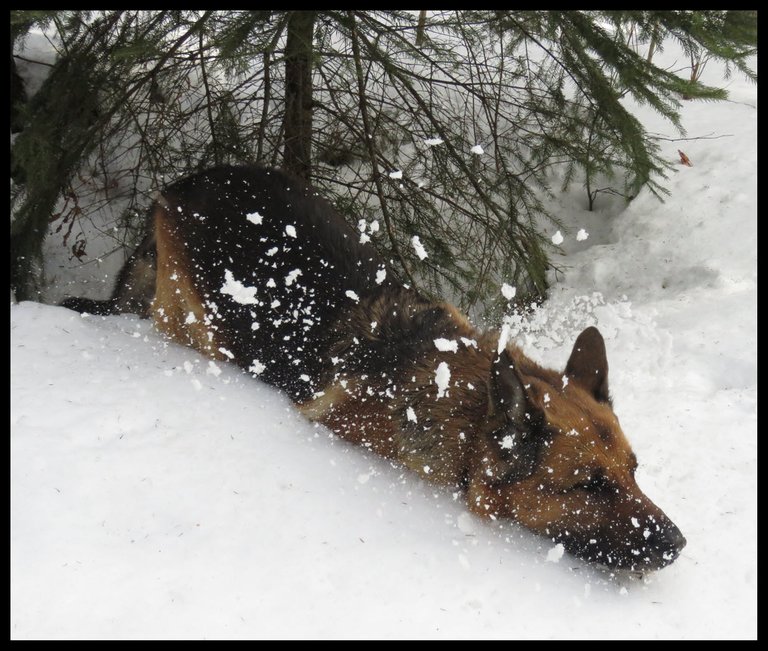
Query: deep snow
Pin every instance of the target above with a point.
(155, 494)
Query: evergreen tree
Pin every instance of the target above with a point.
(442, 125)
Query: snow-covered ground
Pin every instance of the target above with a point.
(157, 495)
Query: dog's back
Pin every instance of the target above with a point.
(273, 265)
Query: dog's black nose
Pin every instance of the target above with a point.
(665, 544)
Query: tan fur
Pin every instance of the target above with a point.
(176, 296)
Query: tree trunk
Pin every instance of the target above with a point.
(18, 98)
(298, 94)
(420, 28)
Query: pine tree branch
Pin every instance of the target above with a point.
(118, 104)
(362, 99)
(708, 137)
(208, 102)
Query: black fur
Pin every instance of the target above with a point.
(288, 329)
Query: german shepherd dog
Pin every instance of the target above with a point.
(250, 265)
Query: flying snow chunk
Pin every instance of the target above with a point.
(350, 294)
(362, 225)
(213, 369)
(557, 238)
(503, 338)
(364, 238)
(442, 378)
(257, 368)
(191, 318)
(477, 150)
(581, 235)
(411, 415)
(254, 218)
(418, 247)
(556, 553)
(508, 291)
(239, 292)
(397, 174)
(224, 351)
(290, 230)
(374, 226)
(381, 274)
(469, 343)
(291, 277)
(446, 345)
(433, 142)
(507, 442)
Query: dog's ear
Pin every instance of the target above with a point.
(588, 364)
(507, 390)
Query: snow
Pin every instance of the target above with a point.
(442, 379)
(239, 292)
(257, 368)
(477, 150)
(557, 238)
(254, 218)
(556, 553)
(504, 336)
(433, 142)
(202, 505)
(292, 276)
(397, 174)
(446, 345)
(508, 291)
(418, 247)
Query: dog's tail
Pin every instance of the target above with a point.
(90, 306)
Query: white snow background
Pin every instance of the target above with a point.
(155, 494)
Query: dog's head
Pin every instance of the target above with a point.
(557, 461)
